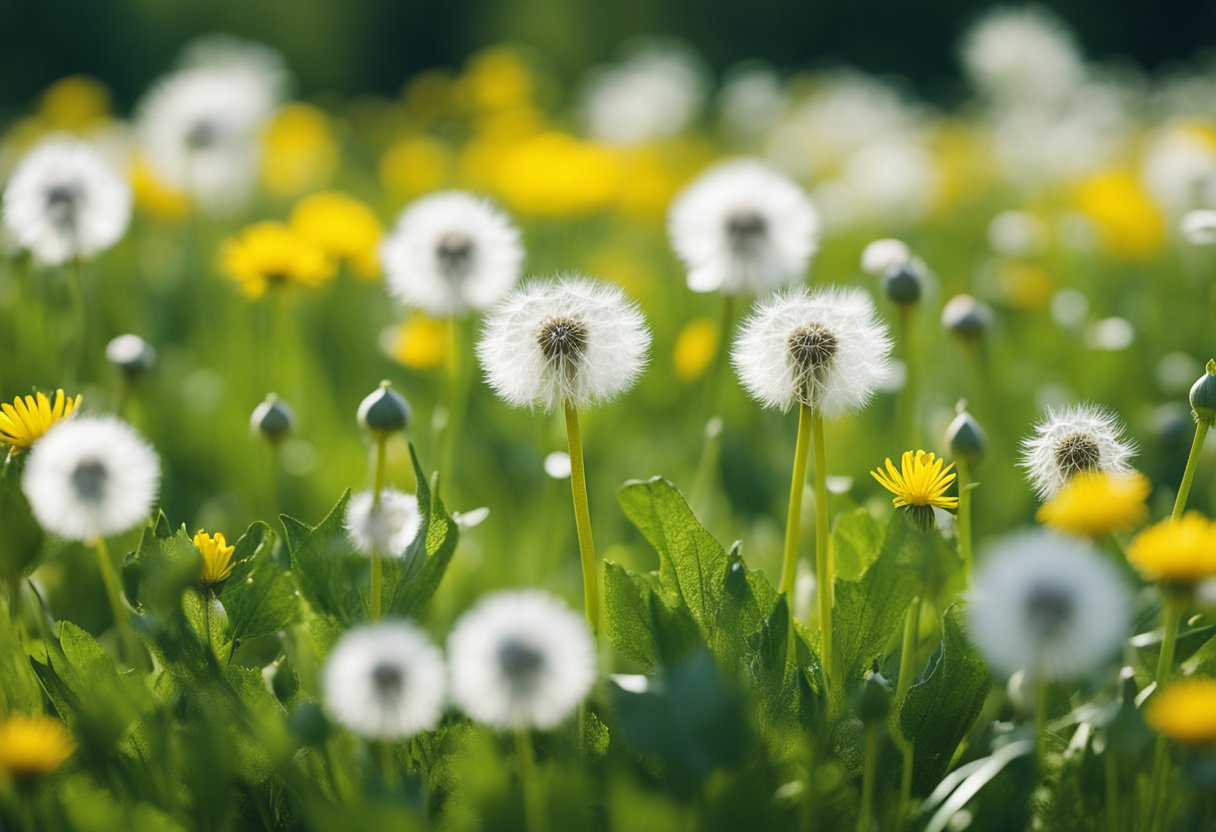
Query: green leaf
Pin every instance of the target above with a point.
(21, 542)
(938, 711)
(856, 540)
(330, 574)
(640, 623)
(411, 581)
(260, 596)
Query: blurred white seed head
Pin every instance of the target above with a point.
(743, 227)
(1199, 227)
(64, 202)
(91, 477)
(451, 253)
(1085, 437)
(385, 681)
(389, 528)
(132, 355)
(1017, 234)
(1047, 605)
(521, 660)
(570, 339)
(825, 348)
(654, 91)
(1018, 55)
(882, 255)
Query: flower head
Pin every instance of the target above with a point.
(64, 203)
(1185, 712)
(91, 477)
(132, 355)
(217, 557)
(1047, 604)
(24, 422)
(919, 485)
(389, 528)
(1022, 55)
(571, 339)
(1095, 503)
(343, 227)
(272, 419)
(743, 227)
(1071, 440)
(880, 256)
(451, 253)
(1181, 551)
(33, 746)
(385, 681)
(824, 348)
(521, 660)
(269, 255)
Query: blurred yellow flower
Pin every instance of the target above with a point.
(153, 196)
(1130, 225)
(299, 150)
(414, 166)
(270, 254)
(696, 346)
(217, 557)
(419, 342)
(28, 418)
(1185, 712)
(1026, 286)
(33, 746)
(496, 79)
(343, 227)
(555, 174)
(653, 182)
(76, 102)
(1096, 503)
(1181, 551)
(920, 481)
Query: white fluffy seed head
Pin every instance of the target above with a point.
(91, 477)
(1084, 437)
(521, 660)
(1048, 605)
(389, 529)
(385, 681)
(64, 202)
(825, 348)
(881, 256)
(743, 227)
(570, 339)
(1020, 55)
(1199, 227)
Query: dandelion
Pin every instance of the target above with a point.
(695, 348)
(385, 681)
(1022, 55)
(217, 557)
(28, 418)
(299, 151)
(132, 355)
(968, 445)
(269, 255)
(31, 747)
(343, 227)
(881, 256)
(418, 342)
(272, 419)
(1095, 503)
(655, 91)
(1185, 712)
(919, 485)
(1177, 552)
(1070, 440)
(387, 529)
(743, 227)
(1203, 409)
(65, 204)
(452, 253)
(967, 318)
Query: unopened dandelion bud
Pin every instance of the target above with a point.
(1203, 396)
(384, 410)
(966, 438)
(903, 284)
(272, 419)
(967, 317)
(874, 699)
(132, 355)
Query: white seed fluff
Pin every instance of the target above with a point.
(570, 339)
(1048, 605)
(881, 256)
(521, 660)
(743, 227)
(390, 529)
(1085, 437)
(64, 202)
(451, 253)
(1199, 227)
(1022, 55)
(91, 477)
(385, 681)
(825, 348)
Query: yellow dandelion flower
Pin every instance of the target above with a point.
(1129, 223)
(919, 485)
(555, 174)
(28, 418)
(300, 150)
(419, 343)
(1181, 551)
(217, 557)
(1096, 503)
(1185, 712)
(33, 746)
(696, 346)
(497, 78)
(343, 227)
(414, 166)
(76, 102)
(270, 254)
(153, 196)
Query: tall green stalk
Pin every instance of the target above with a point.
(535, 817)
(582, 519)
(1171, 619)
(378, 481)
(1192, 462)
(964, 517)
(906, 416)
(793, 515)
(75, 282)
(711, 442)
(456, 397)
(907, 658)
(118, 607)
(869, 764)
(823, 555)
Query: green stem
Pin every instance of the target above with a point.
(384, 754)
(907, 399)
(793, 516)
(906, 658)
(713, 384)
(582, 519)
(823, 554)
(865, 820)
(1040, 723)
(14, 608)
(1192, 462)
(378, 480)
(118, 607)
(964, 517)
(535, 819)
(1113, 821)
(80, 317)
(1171, 619)
(707, 468)
(711, 442)
(456, 400)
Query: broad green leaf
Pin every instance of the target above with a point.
(22, 538)
(259, 596)
(640, 623)
(330, 574)
(856, 540)
(411, 581)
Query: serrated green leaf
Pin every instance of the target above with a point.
(639, 621)
(856, 541)
(260, 596)
(411, 581)
(330, 574)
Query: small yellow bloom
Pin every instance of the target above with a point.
(1130, 225)
(1179, 551)
(76, 102)
(696, 346)
(300, 150)
(414, 166)
(28, 418)
(33, 746)
(921, 481)
(270, 254)
(343, 227)
(1185, 712)
(496, 78)
(555, 174)
(1096, 503)
(217, 557)
(419, 343)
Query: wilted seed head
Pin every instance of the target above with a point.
(455, 253)
(1077, 452)
(62, 202)
(745, 227)
(903, 284)
(384, 410)
(1048, 609)
(132, 355)
(272, 419)
(562, 340)
(966, 438)
(1203, 396)
(521, 663)
(812, 348)
(967, 317)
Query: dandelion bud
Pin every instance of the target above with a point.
(965, 438)
(903, 284)
(966, 317)
(272, 419)
(882, 255)
(384, 410)
(874, 699)
(1203, 396)
(132, 355)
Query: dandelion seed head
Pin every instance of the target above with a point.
(388, 528)
(1071, 440)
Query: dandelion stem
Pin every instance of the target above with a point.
(711, 445)
(793, 517)
(1192, 462)
(865, 820)
(456, 400)
(906, 416)
(1040, 723)
(823, 555)
(713, 386)
(964, 516)
(118, 607)
(582, 519)
(80, 318)
(378, 480)
(1113, 821)
(534, 800)
(1171, 619)
(906, 658)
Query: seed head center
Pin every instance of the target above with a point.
(1076, 453)
(562, 339)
